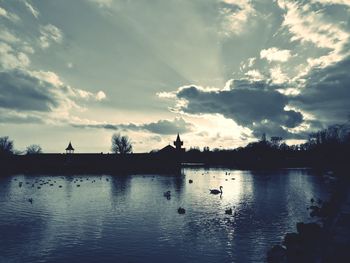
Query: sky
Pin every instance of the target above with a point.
(219, 72)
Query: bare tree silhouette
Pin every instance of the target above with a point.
(6, 146)
(121, 144)
(34, 149)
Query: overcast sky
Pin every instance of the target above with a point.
(219, 72)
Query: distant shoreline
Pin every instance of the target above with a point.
(138, 163)
(89, 163)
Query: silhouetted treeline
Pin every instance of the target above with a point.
(328, 148)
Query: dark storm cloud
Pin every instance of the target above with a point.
(275, 129)
(168, 127)
(23, 92)
(327, 93)
(164, 127)
(255, 105)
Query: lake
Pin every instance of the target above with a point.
(127, 218)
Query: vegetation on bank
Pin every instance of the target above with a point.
(121, 144)
(329, 146)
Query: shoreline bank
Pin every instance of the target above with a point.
(328, 241)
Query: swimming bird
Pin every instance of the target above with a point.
(216, 191)
(181, 210)
(228, 211)
(30, 200)
(167, 194)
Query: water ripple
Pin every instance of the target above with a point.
(127, 218)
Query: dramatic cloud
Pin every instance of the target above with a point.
(7, 36)
(286, 62)
(10, 16)
(275, 54)
(13, 117)
(49, 34)
(100, 95)
(235, 15)
(310, 25)
(11, 59)
(251, 104)
(327, 94)
(164, 127)
(39, 91)
(31, 9)
(333, 2)
(178, 125)
(277, 76)
(254, 75)
(22, 91)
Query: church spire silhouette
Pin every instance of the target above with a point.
(178, 143)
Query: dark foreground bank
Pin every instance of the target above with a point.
(328, 240)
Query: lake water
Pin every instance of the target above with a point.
(127, 218)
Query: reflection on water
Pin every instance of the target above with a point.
(127, 218)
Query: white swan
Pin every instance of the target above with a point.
(216, 191)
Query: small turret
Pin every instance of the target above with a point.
(70, 148)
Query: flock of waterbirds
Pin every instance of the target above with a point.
(182, 210)
(38, 183)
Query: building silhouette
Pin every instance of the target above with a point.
(169, 149)
(178, 144)
(69, 149)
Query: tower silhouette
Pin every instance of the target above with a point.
(178, 143)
